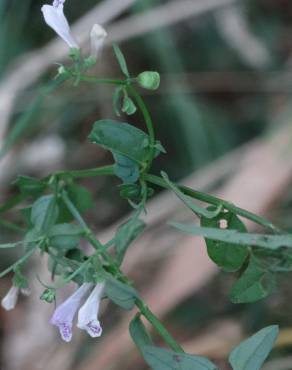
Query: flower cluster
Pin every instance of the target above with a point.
(87, 315)
(55, 18)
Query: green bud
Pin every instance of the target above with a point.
(128, 106)
(89, 62)
(75, 54)
(49, 295)
(149, 80)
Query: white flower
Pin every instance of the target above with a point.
(55, 18)
(10, 300)
(97, 37)
(88, 313)
(64, 314)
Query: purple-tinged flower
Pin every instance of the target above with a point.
(10, 300)
(88, 313)
(55, 18)
(64, 314)
(97, 37)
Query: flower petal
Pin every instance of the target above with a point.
(55, 18)
(64, 314)
(10, 300)
(88, 313)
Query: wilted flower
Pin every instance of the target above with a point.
(97, 37)
(10, 300)
(64, 314)
(55, 18)
(88, 313)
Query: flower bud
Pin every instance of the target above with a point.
(49, 295)
(149, 80)
(129, 106)
(97, 37)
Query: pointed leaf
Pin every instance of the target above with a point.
(121, 294)
(121, 59)
(254, 284)
(162, 359)
(228, 256)
(251, 354)
(139, 333)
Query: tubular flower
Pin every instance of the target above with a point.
(55, 18)
(10, 300)
(64, 314)
(88, 313)
(97, 37)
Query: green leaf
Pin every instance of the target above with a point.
(80, 197)
(121, 294)
(254, 284)
(126, 234)
(162, 359)
(117, 96)
(121, 59)
(233, 236)
(44, 212)
(139, 333)
(121, 138)
(252, 353)
(200, 211)
(65, 236)
(126, 169)
(129, 106)
(30, 186)
(19, 280)
(228, 256)
(31, 239)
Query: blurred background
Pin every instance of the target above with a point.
(223, 113)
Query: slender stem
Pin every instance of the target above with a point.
(106, 81)
(148, 121)
(215, 201)
(163, 332)
(88, 233)
(11, 226)
(17, 263)
(92, 172)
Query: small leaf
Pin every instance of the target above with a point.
(30, 186)
(117, 97)
(252, 353)
(139, 333)
(162, 359)
(254, 284)
(126, 169)
(121, 59)
(129, 106)
(200, 211)
(228, 256)
(65, 236)
(121, 294)
(121, 138)
(126, 234)
(44, 212)
(80, 197)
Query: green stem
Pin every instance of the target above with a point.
(92, 172)
(106, 81)
(155, 322)
(148, 122)
(19, 262)
(11, 226)
(215, 201)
